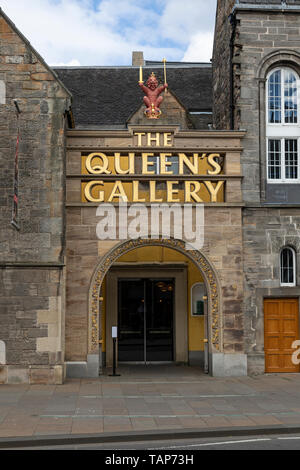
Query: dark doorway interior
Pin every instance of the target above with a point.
(145, 320)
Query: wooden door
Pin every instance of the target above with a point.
(281, 319)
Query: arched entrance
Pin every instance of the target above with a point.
(215, 320)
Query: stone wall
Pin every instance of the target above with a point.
(263, 39)
(221, 65)
(31, 259)
(270, 2)
(259, 36)
(265, 232)
(223, 236)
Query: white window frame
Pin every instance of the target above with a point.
(282, 131)
(288, 284)
(283, 179)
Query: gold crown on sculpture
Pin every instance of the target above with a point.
(152, 78)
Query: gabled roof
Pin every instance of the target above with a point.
(107, 96)
(38, 56)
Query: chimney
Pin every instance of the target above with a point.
(138, 58)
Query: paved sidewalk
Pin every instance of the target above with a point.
(148, 400)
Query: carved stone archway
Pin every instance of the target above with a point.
(215, 319)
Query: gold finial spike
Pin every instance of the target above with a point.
(165, 71)
(141, 75)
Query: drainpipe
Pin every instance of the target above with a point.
(232, 20)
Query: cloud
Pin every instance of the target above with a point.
(199, 42)
(182, 19)
(105, 32)
(72, 63)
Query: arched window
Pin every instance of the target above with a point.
(287, 267)
(282, 126)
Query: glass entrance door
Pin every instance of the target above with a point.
(145, 319)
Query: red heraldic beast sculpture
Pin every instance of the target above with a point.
(152, 99)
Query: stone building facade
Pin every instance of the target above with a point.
(224, 306)
(264, 36)
(97, 265)
(32, 258)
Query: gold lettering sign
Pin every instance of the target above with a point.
(169, 191)
(144, 163)
(168, 176)
(97, 169)
(88, 191)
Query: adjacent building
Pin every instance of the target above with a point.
(218, 157)
(256, 88)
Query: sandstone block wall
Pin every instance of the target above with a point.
(223, 247)
(258, 35)
(262, 40)
(223, 235)
(265, 232)
(221, 65)
(31, 260)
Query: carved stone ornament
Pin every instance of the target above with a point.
(210, 279)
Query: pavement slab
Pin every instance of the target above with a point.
(149, 399)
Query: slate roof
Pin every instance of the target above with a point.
(105, 97)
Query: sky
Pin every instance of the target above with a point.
(105, 32)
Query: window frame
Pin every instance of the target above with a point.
(283, 165)
(288, 284)
(282, 109)
(282, 131)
